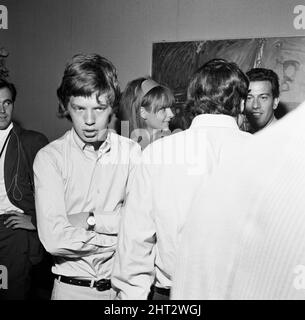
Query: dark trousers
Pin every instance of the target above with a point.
(14, 256)
(42, 279)
(158, 293)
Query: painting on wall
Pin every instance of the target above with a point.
(174, 62)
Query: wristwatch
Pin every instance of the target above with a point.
(91, 221)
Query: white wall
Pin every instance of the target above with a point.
(44, 34)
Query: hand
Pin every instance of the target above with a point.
(18, 220)
(79, 220)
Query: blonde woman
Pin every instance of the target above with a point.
(146, 108)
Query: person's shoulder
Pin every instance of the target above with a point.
(55, 147)
(30, 141)
(244, 135)
(172, 139)
(32, 136)
(125, 142)
(166, 149)
(32, 133)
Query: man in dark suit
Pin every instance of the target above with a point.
(20, 248)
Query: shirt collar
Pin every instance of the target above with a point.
(214, 120)
(4, 133)
(105, 146)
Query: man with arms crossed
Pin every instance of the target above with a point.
(80, 182)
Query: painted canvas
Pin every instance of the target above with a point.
(174, 62)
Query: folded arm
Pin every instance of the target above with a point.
(55, 231)
(108, 222)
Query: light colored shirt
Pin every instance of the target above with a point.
(162, 191)
(71, 177)
(245, 234)
(5, 204)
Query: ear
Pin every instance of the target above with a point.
(275, 103)
(242, 106)
(143, 113)
(61, 106)
(64, 112)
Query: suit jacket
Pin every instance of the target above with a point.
(18, 177)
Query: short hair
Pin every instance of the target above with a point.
(262, 74)
(10, 86)
(133, 98)
(85, 75)
(217, 87)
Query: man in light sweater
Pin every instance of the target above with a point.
(251, 240)
(172, 170)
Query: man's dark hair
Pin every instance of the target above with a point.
(10, 86)
(262, 74)
(218, 87)
(85, 75)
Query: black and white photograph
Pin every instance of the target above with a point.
(152, 151)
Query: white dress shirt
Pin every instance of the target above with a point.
(5, 204)
(245, 235)
(161, 194)
(70, 177)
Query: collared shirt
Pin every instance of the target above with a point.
(5, 204)
(71, 177)
(245, 235)
(161, 194)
